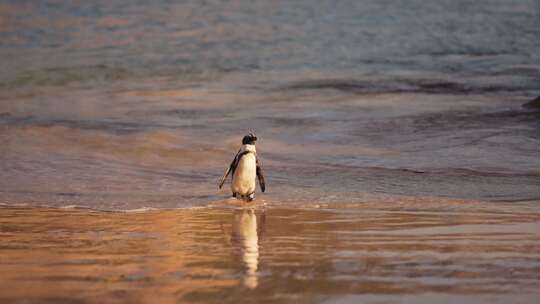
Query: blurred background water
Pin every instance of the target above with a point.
(460, 46)
(126, 104)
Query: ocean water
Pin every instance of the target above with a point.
(391, 133)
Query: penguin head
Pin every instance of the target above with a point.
(249, 139)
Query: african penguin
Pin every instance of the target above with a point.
(245, 169)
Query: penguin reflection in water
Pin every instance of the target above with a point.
(245, 169)
(246, 232)
(244, 236)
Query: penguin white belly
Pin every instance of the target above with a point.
(245, 175)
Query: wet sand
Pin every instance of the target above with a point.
(400, 253)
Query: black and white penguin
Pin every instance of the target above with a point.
(245, 169)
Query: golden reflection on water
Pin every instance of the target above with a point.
(484, 253)
(245, 242)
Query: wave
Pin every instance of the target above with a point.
(61, 76)
(427, 86)
(114, 126)
(88, 208)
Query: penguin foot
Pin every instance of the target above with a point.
(246, 198)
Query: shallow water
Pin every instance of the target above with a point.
(168, 148)
(450, 253)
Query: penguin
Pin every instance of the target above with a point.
(245, 168)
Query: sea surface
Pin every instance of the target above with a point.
(373, 118)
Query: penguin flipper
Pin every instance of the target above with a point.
(260, 177)
(224, 177)
(231, 168)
